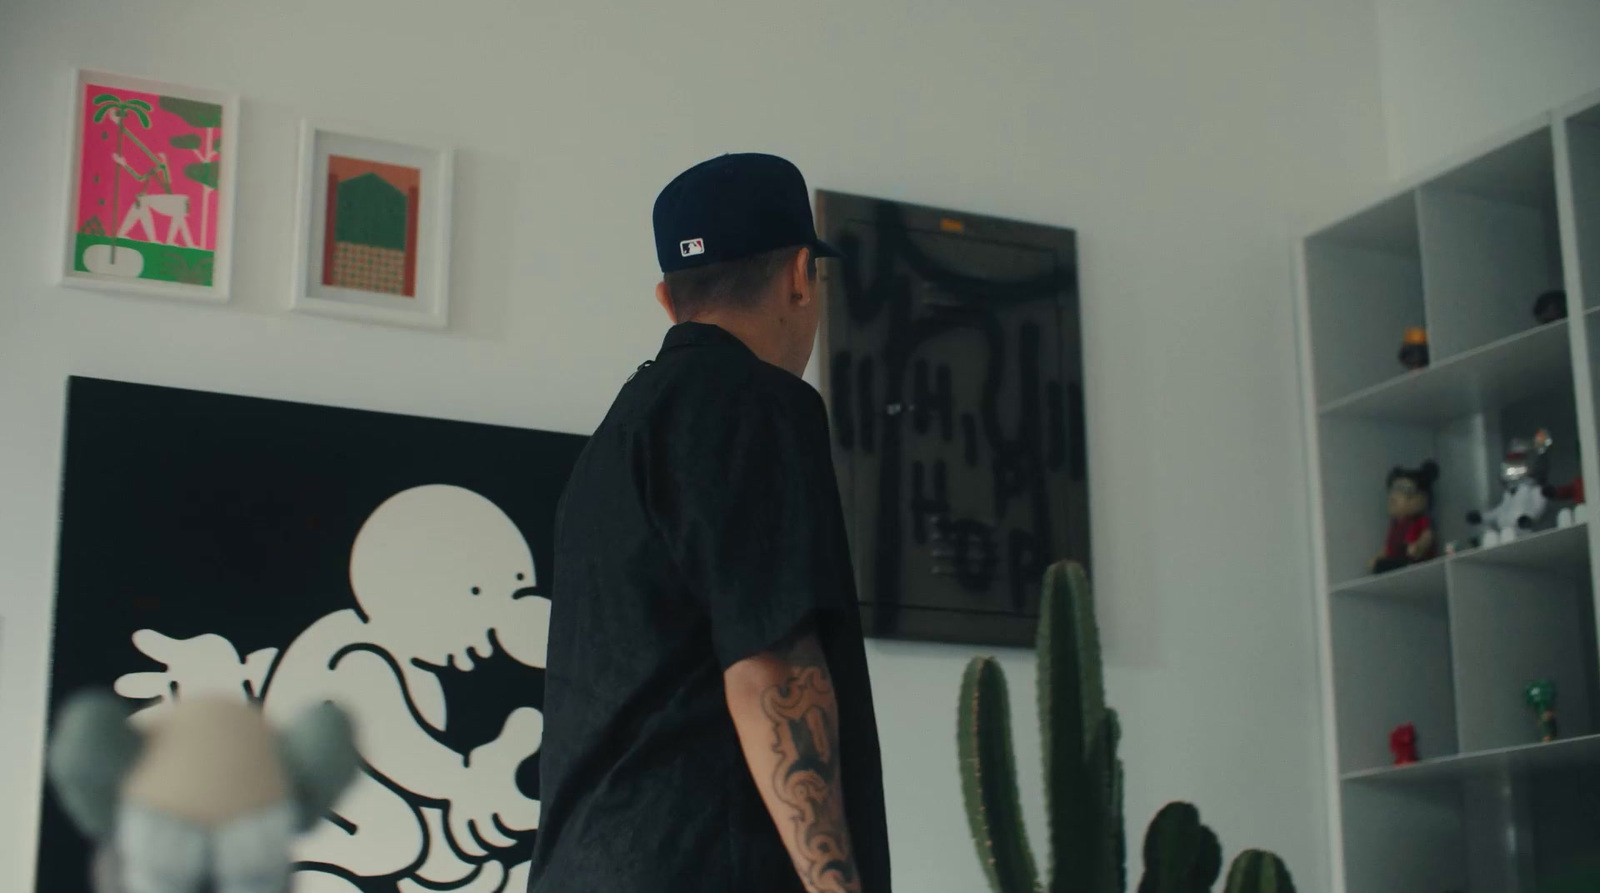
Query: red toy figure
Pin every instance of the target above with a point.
(1403, 744)
(1410, 537)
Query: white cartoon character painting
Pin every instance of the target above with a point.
(441, 577)
(289, 554)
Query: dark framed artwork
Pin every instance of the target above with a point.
(952, 367)
(288, 553)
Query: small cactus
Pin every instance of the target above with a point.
(1258, 871)
(1180, 854)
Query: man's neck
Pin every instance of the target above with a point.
(756, 331)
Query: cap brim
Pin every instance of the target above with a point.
(820, 248)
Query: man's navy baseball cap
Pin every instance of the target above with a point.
(734, 206)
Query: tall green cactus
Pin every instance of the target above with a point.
(1082, 775)
(1083, 778)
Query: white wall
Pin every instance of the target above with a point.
(1458, 72)
(1186, 142)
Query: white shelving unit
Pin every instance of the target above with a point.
(1449, 645)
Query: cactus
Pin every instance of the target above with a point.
(1258, 871)
(1180, 854)
(1082, 775)
(1083, 779)
(989, 780)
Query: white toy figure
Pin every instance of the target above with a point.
(440, 576)
(1524, 502)
(209, 798)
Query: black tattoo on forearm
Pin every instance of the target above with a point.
(804, 718)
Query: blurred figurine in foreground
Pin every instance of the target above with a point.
(210, 799)
(1410, 538)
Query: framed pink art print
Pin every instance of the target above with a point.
(149, 206)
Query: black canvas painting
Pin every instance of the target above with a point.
(953, 370)
(287, 554)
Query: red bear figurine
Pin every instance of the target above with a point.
(1403, 743)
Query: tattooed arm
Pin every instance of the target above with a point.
(788, 722)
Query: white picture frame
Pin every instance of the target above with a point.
(180, 153)
(324, 267)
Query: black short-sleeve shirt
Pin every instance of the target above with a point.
(701, 525)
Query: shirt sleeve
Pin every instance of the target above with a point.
(745, 496)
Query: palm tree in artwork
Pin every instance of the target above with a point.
(119, 109)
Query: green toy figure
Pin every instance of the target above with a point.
(1541, 696)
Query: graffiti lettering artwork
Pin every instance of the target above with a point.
(954, 379)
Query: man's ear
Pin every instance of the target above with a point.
(802, 276)
(665, 300)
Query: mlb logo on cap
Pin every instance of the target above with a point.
(691, 247)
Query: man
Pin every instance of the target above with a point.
(709, 722)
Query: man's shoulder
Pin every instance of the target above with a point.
(784, 388)
(719, 380)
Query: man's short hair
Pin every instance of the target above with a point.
(731, 285)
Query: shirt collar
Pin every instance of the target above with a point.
(693, 334)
